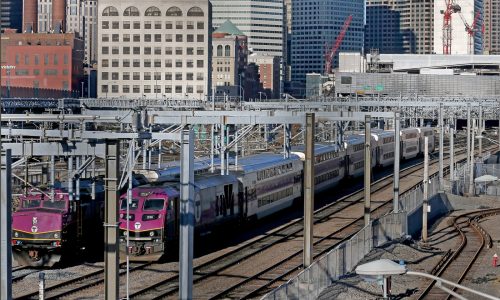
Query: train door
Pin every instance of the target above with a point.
(173, 218)
(228, 200)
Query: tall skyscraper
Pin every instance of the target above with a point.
(316, 24)
(383, 26)
(491, 27)
(154, 49)
(262, 21)
(81, 18)
(11, 14)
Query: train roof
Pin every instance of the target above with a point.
(263, 161)
(354, 139)
(318, 148)
(200, 181)
(377, 134)
(409, 130)
(174, 170)
(424, 129)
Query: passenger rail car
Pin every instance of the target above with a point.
(45, 230)
(329, 165)
(410, 143)
(153, 223)
(355, 155)
(384, 147)
(427, 132)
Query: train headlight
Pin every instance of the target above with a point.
(56, 235)
(16, 234)
(152, 233)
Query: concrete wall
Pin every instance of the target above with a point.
(439, 207)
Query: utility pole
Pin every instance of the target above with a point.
(5, 225)
(468, 134)
(187, 216)
(471, 167)
(397, 143)
(441, 147)
(368, 168)
(452, 156)
(111, 246)
(309, 191)
(426, 190)
(480, 130)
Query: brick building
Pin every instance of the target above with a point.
(269, 71)
(36, 65)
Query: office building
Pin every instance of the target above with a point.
(262, 21)
(81, 18)
(315, 24)
(229, 60)
(11, 14)
(154, 49)
(41, 65)
(269, 74)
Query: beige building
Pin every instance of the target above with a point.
(154, 49)
(229, 60)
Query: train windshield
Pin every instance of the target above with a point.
(154, 204)
(133, 205)
(54, 204)
(31, 203)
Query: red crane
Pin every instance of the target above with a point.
(451, 7)
(471, 29)
(330, 53)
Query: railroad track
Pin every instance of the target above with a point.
(63, 289)
(21, 272)
(455, 266)
(169, 286)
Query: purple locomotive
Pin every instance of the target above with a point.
(46, 229)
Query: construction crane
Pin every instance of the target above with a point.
(330, 53)
(471, 29)
(451, 8)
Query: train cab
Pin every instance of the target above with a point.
(355, 155)
(384, 149)
(410, 143)
(329, 164)
(427, 132)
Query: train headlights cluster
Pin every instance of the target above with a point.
(152, 233)
(150, 217)
(56, 235)
(16, 234)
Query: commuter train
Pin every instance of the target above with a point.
(258, 186)
(44, 228)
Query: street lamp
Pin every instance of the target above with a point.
(385, 268)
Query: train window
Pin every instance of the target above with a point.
(154, 204)
(54, 204)
(31, 203)
(132, 206)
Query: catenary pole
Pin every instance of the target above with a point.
(426, 190)
(397, 143)
(309, 190)
(367, 181)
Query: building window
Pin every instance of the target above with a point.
(178, 76)
(137, 25)
(189, 76)
(157, 24)
(105, 63)
(136, 50)
(105, 50)
(147, 89)
(199, 76)
(168, 76)
(200, 38)
(115, 50)
(199, 63)
(178, 51)
(147, 63)
(114, 63)
(126, 63)
(105, 25)
(157, 76)
(126, 24)
(104, 89)
(45, 59)
(190, 51)
(189, 89)
(157, 63)
(189, 63)
(157, 38)
(137, 37)
(168, 38)
(126, 76)
(126, 37)
(147, 37)
(178, 37)
(178, 89)
(37, 72)
(105, 76)
(147, 75)
(178, 63)
(199, 89)
(115, 25)
(157, 89)
(115, 37)
(168, 25)
(174, 11)
(200, 25)
(219, 50)
(227, 50)
(147, 25)
(136, 63)
(65, 59)
(190, 38)
(178, 25)
(147, 50)
(136, 76)
(168, 50)
(199, 51)
(168, 63)
(126, 89)
(152, 11)
(126, 50)
(190, 25)
(56, 59)
(114, 88)
(21, 72)
(26, 59)
(131, 11)
(157, 51)
(110, 11)
(37, 58)
(195, 12)
(65, 72)
(168, 89)
(136, 89)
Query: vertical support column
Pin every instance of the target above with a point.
(468, 135)
(286, 143)
(426, 190)
(77, 180)
(480, 130)
(222, 155)
(452, 155)
(397, 146)
(26, 174)
(212, 144)
(236, 145)
(111, 246)
(471, 167)
(52, 176)
(187, 216)
(441, 146)
(368, 168)
(309, 190)
(5, 226)
(93, 177)
(159, 154)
